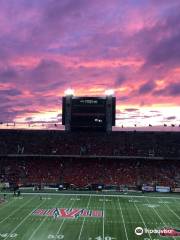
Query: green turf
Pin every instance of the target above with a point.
(121, 216)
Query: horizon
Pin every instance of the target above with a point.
(60, 127)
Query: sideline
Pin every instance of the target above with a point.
(96, 195)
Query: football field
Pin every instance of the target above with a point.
(88, 217)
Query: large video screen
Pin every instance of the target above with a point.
(88, 112)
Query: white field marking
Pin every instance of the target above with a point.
(159, 217)
(94, 194)
(84, 220)
(12, 213)
(46, 198)
(24, 219)
(75, 199)
(123, 219)
(142, 218)
(163, 202)
(151, 205)
(172, 211)
(103, 217)
(35, 231)
(133, 201)
(63, 220)
(106, 200)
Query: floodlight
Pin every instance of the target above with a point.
(109, 92)
(69, 92)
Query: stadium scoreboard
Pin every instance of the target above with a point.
(88, 113)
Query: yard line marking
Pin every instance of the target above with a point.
(17, 210)
(172, 211)
(142, 219)
(84, 220)
(35, 231)
(159, 217)
(24, 219)
(103, 217)
(64, 218)
(123, 219)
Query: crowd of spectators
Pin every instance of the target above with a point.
(83, 171)
(46, 142)
(82, 159)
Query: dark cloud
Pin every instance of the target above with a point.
(131, 109)
(173, 89)
(9, 74)
(146, 116)
(160, 43)
(9, 115)
(166, 52)
(146, 88)
(123, 98)
(171, 118)
(28, 119)
(120, 80)
(11, 92)
(48, 75)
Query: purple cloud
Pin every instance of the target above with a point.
(171, 118)
(146, 88)
(173, 89)
(49, 45)
(131, 109)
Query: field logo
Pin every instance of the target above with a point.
(56, 213)
(139, 231)
(68, 213)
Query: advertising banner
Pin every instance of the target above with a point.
(163, 189)
(176, 190)
(147, 188)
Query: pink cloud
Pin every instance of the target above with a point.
(50, 45)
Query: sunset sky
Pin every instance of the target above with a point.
(131, 46)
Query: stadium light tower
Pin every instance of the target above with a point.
(109, 92)
(69, 92)
(68, 105)
(109, 103)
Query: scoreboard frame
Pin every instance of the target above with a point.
(88, 113)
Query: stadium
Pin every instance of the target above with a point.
(89, 120)
(89, 182)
